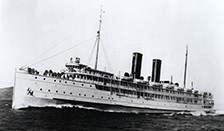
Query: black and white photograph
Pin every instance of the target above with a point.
(111, 65)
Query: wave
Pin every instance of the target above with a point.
(63, 106)
(219, 112)
(197, 113)
(89, 108)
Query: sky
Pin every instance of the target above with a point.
(33, 30)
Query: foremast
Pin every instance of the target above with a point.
(185, 69)
(98, 39)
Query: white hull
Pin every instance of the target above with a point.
(33, 91)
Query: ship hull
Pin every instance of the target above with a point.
(42, 91)
(116, 108)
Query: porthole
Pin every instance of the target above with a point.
(82, 84)
(59, 80)
(90, 85)
(73, 83)
(92, 95)
(65, 81)
(101, 97)
(64, 92)
(79, 94)
(54, 80)
(56, 91)
(44, 78)
(35, 77)
(108, 97)
(70, 93)
(84, 94)
(49, 90)
(40, 89)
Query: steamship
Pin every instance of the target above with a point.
(90, 87)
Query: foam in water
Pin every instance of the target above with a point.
(219, 112)
(61, 106)
(193, 113)
(198, 113)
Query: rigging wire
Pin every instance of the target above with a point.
(106, 56)
(55, 45)
(91, 55)
(81, 43)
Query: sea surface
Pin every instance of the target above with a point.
(67, 118)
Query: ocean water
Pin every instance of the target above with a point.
(61, 118)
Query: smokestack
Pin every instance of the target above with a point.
(156, 68)
(136, 65)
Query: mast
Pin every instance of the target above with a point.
(98, 39)
(185, 69)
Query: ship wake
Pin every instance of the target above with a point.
(197, 113)
(63, 106)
